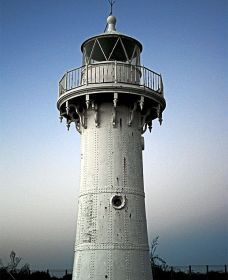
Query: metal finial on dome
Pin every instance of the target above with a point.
(111, 21)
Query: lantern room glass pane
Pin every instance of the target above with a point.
(97, 54)
(129, 47)
(118, 53)
(108, 44)
(87, 51)
(111, 49)
(135, 60)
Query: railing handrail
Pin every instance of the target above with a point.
(102, 72)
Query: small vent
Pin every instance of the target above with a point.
(118, 201)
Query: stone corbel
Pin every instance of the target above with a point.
(141, 102)
(159, 114)
(96, 117)
(144, 124)
(68, 122)
(115, 99)
(87, 101)
(76, 121)
(77, 126)
(144, 128)
(61, 116)
(93, 105)
(150, 126)
(82, 118)
(114, 117)
(72, 109)
(67, 107)
(131, 117)
(160, 119)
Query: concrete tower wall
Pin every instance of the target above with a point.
(111, 238)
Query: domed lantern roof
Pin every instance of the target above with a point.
(111, 46)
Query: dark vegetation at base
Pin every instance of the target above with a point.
(26, 275)
(158, 274)
(161, 271)
(161, 274)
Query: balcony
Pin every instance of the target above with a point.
(111, 72)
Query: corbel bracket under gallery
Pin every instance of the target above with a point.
(131, 115)
(71, 112)
(96, 116)
(87, 101)
(114, 115)
(144, 123)
(159, 114)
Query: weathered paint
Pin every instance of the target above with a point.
(111, 241)
(112, 103)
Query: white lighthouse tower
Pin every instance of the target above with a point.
(112, 99)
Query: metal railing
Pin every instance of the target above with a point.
(111, 72)
(191, 272)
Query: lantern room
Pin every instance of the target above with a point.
(111, 46)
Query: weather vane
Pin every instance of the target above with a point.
(111, 2)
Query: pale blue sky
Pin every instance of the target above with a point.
(185, 160)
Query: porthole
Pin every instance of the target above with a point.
(118, 201)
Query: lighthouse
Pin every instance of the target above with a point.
(112, 100)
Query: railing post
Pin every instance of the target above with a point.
(143, 83)
(148, 79)
(66, 272)
(72, 80)
(131, 75)
(115, 72)
(225, 269)
(207, 271)
(135, 78)
(190, 270)
(60, 90)
(66, 80)
(87, 74)
(161, 84)
(171, 272)
(153, 81)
